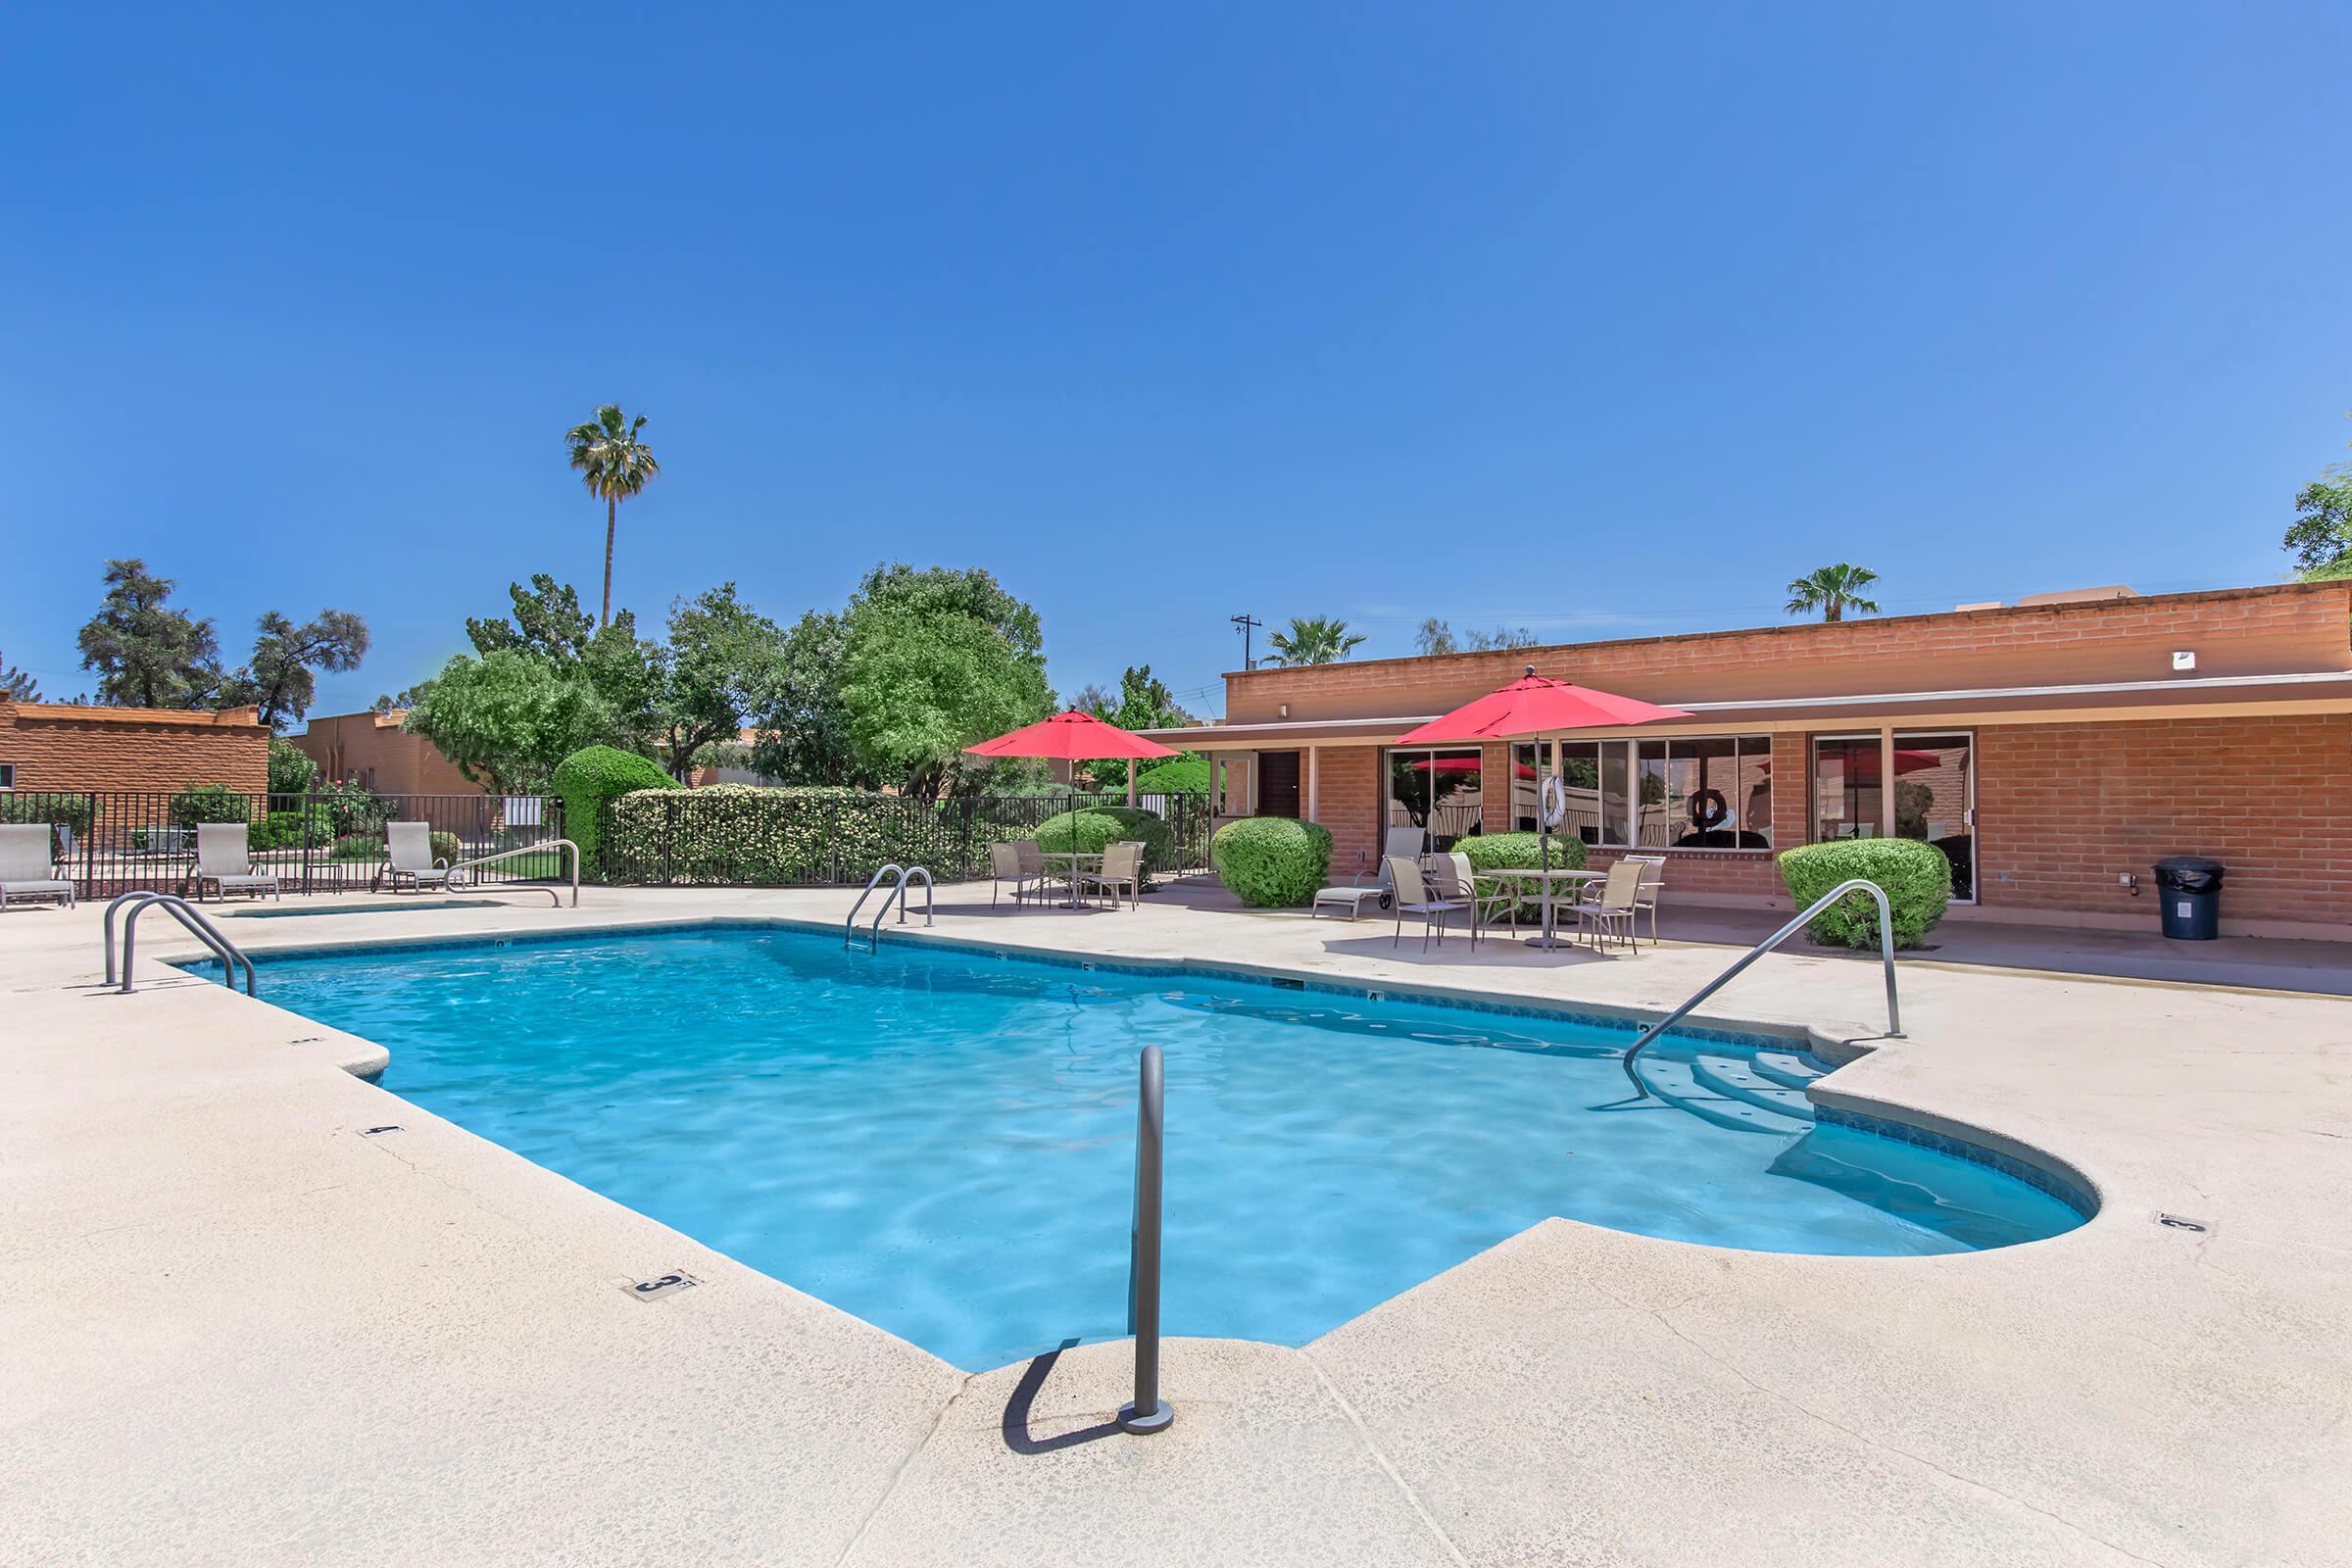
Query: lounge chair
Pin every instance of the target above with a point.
(1121, 870)
(1401, 841)
(1612, 909)
(1414, 897)
(408, 859)
(27, 870)
(224, 859)
(1026, 872)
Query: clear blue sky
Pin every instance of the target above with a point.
(1590, 319)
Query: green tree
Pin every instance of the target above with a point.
(281, 678)
(801, 723)
(400, 701)
(616, 465)
(290, 769)
(1436, 636)
(721, 664)
(2321, 536)
(624, 671)
(920, 687)
(934, 591)
(1312, 640)
(1833, 590)
(507, 719)
(17, 685)
(148, 655)
(1141, 702)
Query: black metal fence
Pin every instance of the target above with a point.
(328, 841)
(827, 838)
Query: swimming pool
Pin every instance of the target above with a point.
(942, 1142)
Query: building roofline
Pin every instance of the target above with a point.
(94, 713)
(1824, 628)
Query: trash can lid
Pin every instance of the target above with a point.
(2189, 862)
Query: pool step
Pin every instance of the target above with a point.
(1735, 1078)
(1786, 1068)
(1677, 1084)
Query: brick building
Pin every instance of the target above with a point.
(375, 751)
(2052, 749)
(71, 747)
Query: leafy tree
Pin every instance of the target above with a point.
(548, 620)
(18, 685)
(402, 700)
(624, 671)
(281, 679)
(1433, 638)
(290, 770)
(919, 687)
(945, 591)
(2321, 536)
(1141, 702)
(1833, 590)
(1436, 637)
(721, 664)
(615, 465)
(803, 720)
(148, 655)
(1315, 640)
(507, 719)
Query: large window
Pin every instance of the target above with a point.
(1706, 792)
(1439, 791)
(1934, 799)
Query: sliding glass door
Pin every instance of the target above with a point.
(1934, 797)
(1440, 790)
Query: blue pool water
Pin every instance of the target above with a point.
(942, 1143)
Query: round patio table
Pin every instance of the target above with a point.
(1548, 894)
(1074, 857)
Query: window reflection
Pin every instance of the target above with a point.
(1708, 792)
(1439, 791)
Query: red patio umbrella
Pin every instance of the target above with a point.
(1528, 709)
(1073, 737)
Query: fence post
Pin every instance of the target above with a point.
(669, 831)
(89, 846)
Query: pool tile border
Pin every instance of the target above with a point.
(2038, 1177)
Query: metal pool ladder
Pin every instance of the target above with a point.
(1894, 1023)
(1147, 1412)
(186, 914)
(897, 895)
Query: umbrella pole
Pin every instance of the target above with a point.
(1543, 849)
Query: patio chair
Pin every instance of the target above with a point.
(27, 870)
(1026, 872)
(1612, 909)
(1653, 883)
(1401, 841)
(225, 858)
(1451, 879)
(1121, 870)
(408, 859)
(1413, 897)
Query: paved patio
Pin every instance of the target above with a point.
(239, 1329)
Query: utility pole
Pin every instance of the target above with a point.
(1243, 624)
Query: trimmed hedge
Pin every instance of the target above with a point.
(1490, 852)
(1917, 879)
(593, 775)
(1089, 829)
(1271, 863)
(749, 835)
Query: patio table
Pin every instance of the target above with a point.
(1548, 936)
(1074, 857)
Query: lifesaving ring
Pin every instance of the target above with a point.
(1555, 805)
(1708, 808)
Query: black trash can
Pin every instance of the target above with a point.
(2188, 895)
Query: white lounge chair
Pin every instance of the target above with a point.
(225, 860)
(1414, 897)
(28, 870)
(1405, 841)
(408, 859)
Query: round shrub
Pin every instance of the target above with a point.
(1271, 863)
(590, 777)
(448, 849)
(208, 803)
(1178, 775)
(1917, 879)
(1490, 852)
(1086, 831)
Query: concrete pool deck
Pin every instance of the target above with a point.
(239, 1328)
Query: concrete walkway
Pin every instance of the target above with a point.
(238, 1327)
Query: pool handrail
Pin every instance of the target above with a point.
(1895, 1021)
(897, 892)
(189, 915)
(1147, 1412)
(529, 849)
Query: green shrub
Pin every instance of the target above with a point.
(1271, 862)
(357, 847)
(354, 808)
(290, 770)
(748, 835)
(1087, 830)
(447, 847)
(1490, 852)
(588, 779)
(1917, 879)
(291, 830)
(210, 803)
(1178, 775)
(75, 811)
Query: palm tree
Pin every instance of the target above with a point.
(1321, 640)
(1833, 590)
(614, 465)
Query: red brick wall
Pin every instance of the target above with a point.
(57, 746)
(1348, 794)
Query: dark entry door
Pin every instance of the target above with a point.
(1278, 784)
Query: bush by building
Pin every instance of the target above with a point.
(1087, 830)
(593, 777)
(1491, 852)
(1917, 879)
(1271, 863)
(208, 803)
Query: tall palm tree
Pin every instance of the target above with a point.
(1319, 640)
(614, 465)
(1833, 590)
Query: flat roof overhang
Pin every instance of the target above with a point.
(2107, 702)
